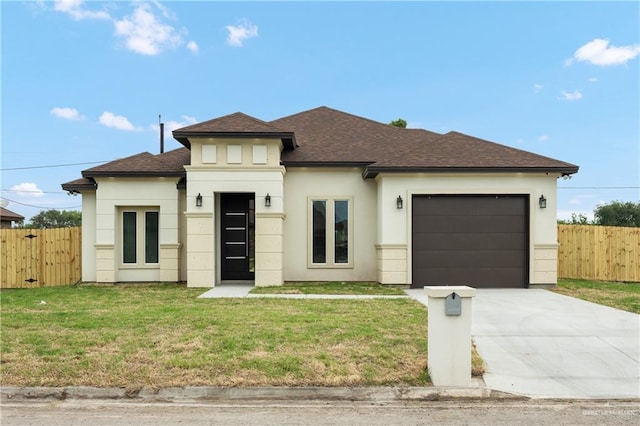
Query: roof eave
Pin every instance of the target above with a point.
(288, 138)
(132, 173)
(325, 163)
(371, 172)
(79, 188)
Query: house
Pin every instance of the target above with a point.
(7, 217)
(322, 195)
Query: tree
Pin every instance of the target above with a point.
(576, 219)
(618, 213)
(55, 219)
(400, 122)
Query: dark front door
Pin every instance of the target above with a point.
(237, 224)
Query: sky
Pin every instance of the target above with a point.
(84, 82)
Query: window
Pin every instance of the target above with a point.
(140, 236)
(331, 233)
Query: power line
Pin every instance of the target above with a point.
(34, 191)
(41, 207)
(50, 166)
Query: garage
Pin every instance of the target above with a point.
(475, 240)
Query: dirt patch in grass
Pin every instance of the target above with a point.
(624, 296)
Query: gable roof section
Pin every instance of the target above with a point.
(330, 137)
(145, 164)
(236, 125)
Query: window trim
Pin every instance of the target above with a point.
(140, 237)
(330, 262)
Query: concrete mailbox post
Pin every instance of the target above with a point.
(449, 334)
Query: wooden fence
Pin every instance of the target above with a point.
(40, 257)
(53, 257)
(604, 253)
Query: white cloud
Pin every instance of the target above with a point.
(543, 138)
(74, 8)
(238, 34)
(119, 122)
(598, 52)
(171, 125)
(537, 87)
(570, 96)
(193, 47)
(67, 113)
(144, 34)
(592, 80)
(27, 189)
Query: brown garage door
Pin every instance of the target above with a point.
(479, 241)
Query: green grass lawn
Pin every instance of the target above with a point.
(624, 296)
(162, 335)
(349, 288)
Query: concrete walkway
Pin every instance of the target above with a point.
(540, 344)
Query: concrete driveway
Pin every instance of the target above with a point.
(543, 344)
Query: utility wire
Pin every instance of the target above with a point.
(34, 191)
(41, 207)
(50, 166)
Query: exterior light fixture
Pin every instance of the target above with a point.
(399, 202)
(542, 202)
(267, 200)
(199, 200)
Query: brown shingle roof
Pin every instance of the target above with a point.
(234, 125)
(328, 136)
(144, 164)
(9, 215)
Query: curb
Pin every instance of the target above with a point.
(210, 393)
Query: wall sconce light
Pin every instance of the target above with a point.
(199, 200)
(267, 200)
(399, 202)
(542, 202)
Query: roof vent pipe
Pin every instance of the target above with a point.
(161, 134)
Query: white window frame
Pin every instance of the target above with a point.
(330, 232)
(141, 217)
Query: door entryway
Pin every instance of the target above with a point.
(237, 226)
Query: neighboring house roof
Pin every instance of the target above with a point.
(233, 126)
(327, 137)
(8, 215)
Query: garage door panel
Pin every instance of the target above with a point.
(485, 258)
(478, 278)
(464, 224)
(480, 241)
(484, 241)
(505, 205)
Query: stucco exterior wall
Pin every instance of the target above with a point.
(394, 225)
(303, 184)
(115, 194)
(89, 236)
(233, 166)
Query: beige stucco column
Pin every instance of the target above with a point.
(269, 268)
(449, 334)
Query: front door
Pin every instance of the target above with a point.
(237, 224)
